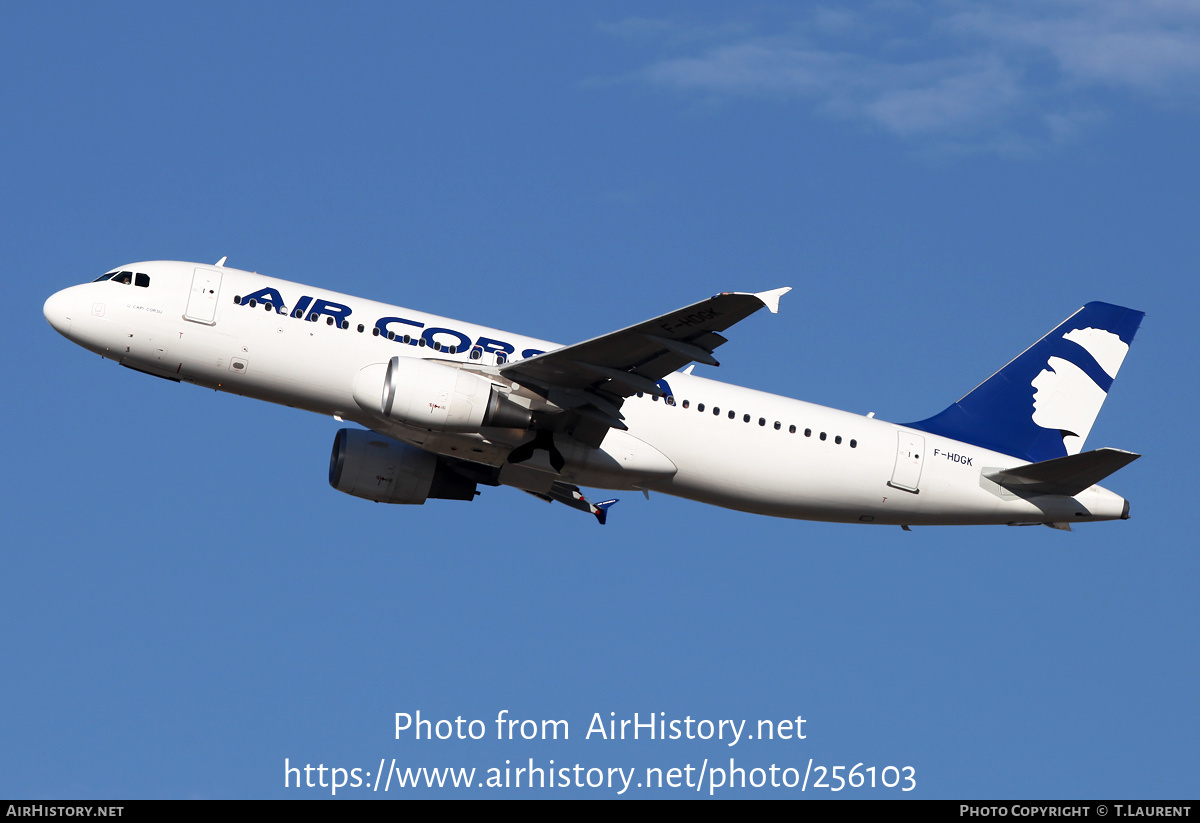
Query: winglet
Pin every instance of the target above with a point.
(602, 510)
(771, 298)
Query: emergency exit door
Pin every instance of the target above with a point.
(202, 301)
(909, 451)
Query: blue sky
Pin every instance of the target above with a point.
(189, 603)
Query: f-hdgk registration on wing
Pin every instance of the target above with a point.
(447, 406)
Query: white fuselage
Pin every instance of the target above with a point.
(801, 461)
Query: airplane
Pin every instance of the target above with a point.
(447, 406)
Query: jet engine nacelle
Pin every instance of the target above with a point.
(436, 397)
(378, 468)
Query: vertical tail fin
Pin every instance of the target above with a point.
(1043, 403)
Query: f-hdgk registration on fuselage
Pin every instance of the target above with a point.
(447, 406)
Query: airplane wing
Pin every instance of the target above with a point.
(573, 497)
(592, 378)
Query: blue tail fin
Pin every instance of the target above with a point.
(1043, 403)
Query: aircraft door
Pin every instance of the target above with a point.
(907, 473)
(202, 301)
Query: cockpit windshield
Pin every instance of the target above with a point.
(126, 278)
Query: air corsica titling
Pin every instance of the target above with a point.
(447, 406)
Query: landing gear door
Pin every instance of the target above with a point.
(202, 300)
(907, 473)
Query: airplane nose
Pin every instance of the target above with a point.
(58, 313)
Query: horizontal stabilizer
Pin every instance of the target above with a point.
(1063, 475)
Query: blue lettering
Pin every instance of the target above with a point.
(383, 323)
(324, 307)
(488, 345)
(434, 334)
(267, 295)
(463, 343)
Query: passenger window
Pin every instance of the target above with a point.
(854, 444)
(762, 421)
(838, 440)
(822, 435)
(791, 429)
(776, 425)
(699, 407)
(687, 403)
(732, 415)
(808, 432)
(745, 418)
(716, 410)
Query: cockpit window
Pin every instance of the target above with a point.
(126, 277)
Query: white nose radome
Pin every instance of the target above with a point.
(58, 312)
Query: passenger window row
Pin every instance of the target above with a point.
(298, 313)
(746, 418)
(476, 352)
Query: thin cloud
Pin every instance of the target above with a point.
(637, 30)
(1008, 77)
(1148, 47)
